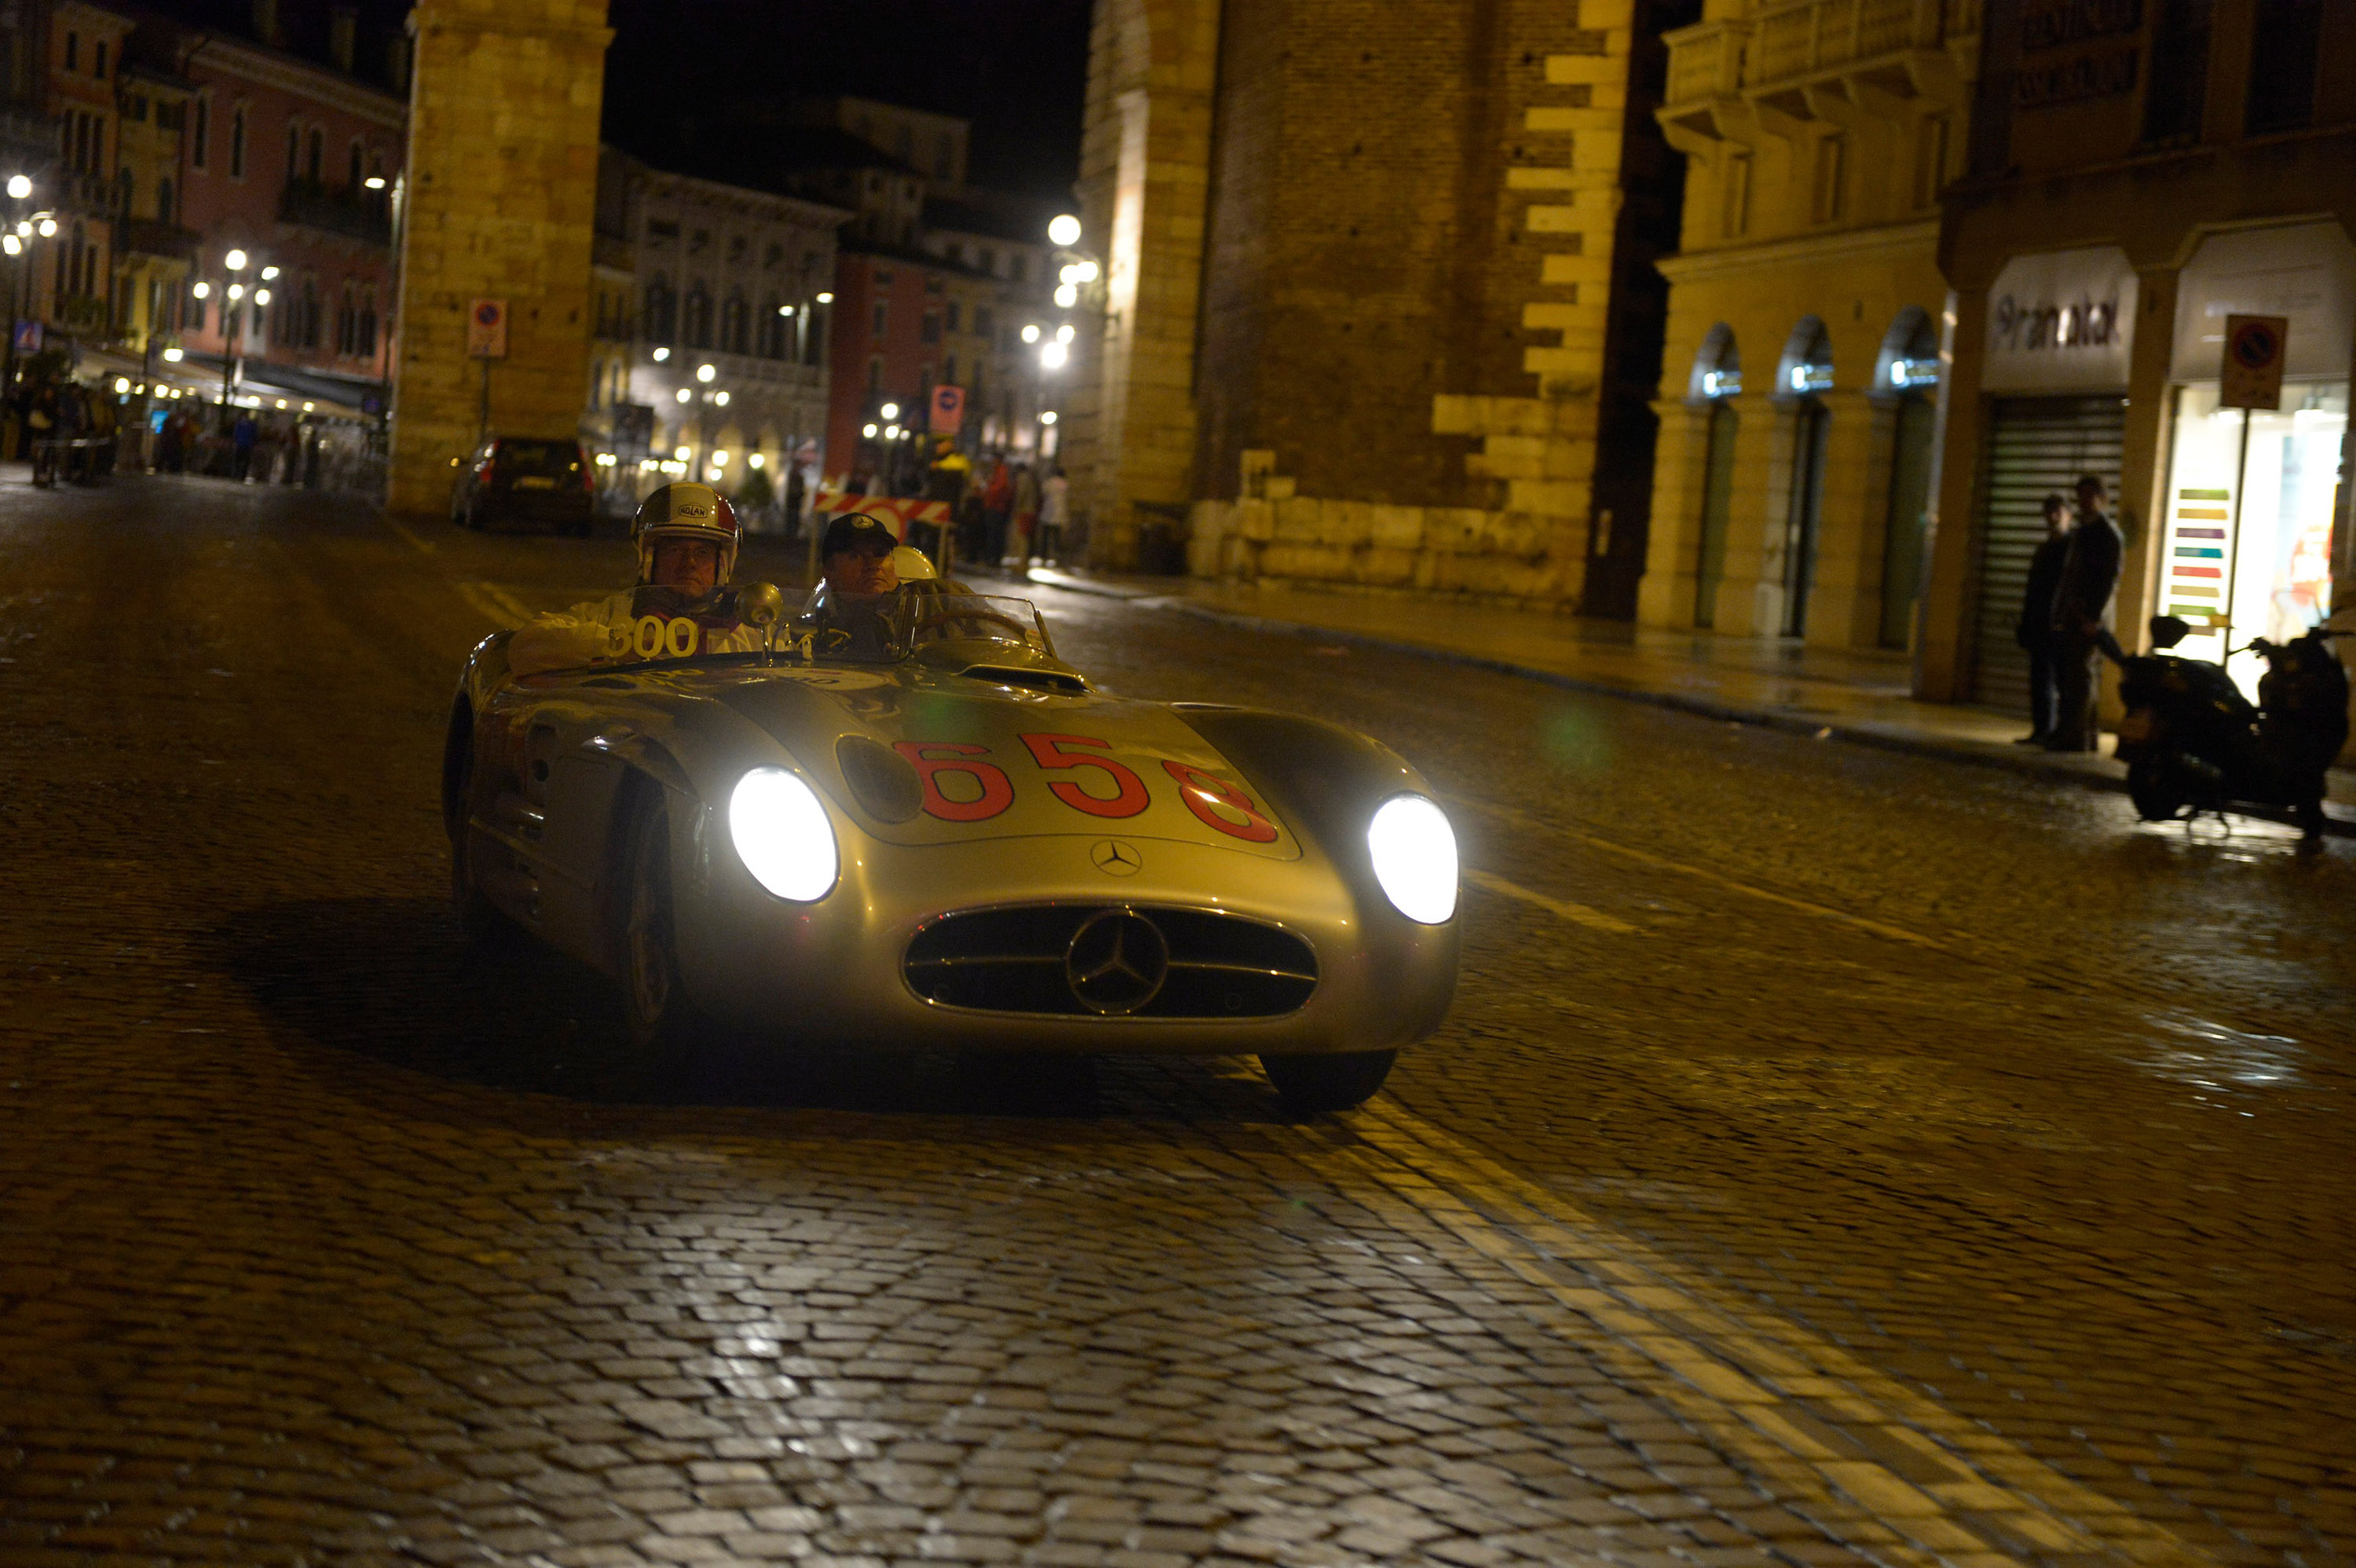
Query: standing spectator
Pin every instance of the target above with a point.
(796, 489)
(169, 453)
(947, 482)
(1055, 499)
(2082, 609)
(242, 437)
(997, 509)
(2035, 632)
(1026, 510)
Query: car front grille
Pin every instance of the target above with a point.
(1123, 961)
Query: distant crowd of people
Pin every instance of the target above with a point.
(1002, 513)
(68, 431)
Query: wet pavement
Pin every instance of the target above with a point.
(1833, 1157)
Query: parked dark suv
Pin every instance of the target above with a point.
(514, 479)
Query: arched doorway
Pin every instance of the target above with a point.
(1717, 378)
(1805, 371)
(1907, 374)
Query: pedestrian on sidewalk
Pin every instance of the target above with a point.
(2034, 630)
(1026, 511)
(997, 511)
(242, 437)
(797, 488)
(1054, 503)
(2082, 612)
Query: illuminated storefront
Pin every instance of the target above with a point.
(2250, 494)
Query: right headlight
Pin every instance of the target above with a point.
(782, 835)
(1414, 852)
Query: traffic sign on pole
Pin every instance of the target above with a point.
(2256, 348)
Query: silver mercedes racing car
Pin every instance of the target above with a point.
(911, 823)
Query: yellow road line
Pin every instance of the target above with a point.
(1578, 914)
(1662, 862)
(423, 546)
(493, 604)
(1867, 1460)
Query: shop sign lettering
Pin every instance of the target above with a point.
(2030, 325)
(2060, 321)
(2056, 23)
(2079, 81)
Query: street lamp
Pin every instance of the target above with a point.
(890, 411)
(1063, 230)
(19, 187)
(234, 322)
(704, 373)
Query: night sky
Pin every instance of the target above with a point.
(1017, 69)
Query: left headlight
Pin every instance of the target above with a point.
(782, 835)
(1414, 852)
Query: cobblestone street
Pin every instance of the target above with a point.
(1833, 1155)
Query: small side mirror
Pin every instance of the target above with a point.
(2166, 631)
(760, 603)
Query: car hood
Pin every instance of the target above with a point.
(996, 754)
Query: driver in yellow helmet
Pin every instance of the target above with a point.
(686, 536)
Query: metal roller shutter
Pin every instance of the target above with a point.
(2036, 446)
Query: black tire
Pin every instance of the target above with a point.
(663, 1021)
(1318, 1086)
(2157, 785)
(486, 925)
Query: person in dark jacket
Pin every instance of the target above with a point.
(2035, 630)
(2082, 609)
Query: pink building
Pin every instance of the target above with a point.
(297, 166)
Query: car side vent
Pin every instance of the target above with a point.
(1131, 961)
(1052, 680)
(882, 779)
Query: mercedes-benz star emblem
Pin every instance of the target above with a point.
(1115, 859)
(1117, 962)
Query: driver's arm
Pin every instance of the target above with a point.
(566, 640)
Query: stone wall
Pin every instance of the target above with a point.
(500, 202)
(1406, 269)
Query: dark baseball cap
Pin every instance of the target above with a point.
(856, 530)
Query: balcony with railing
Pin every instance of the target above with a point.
(1783, 46)
(355, 214)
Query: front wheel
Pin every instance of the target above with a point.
(662, 1020)
(1316, 1085)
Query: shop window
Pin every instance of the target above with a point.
(2283, 54)
(2179, 70)
(2249, 519)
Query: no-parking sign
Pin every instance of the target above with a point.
(949, 409)
(2255, 349)
(486, 329)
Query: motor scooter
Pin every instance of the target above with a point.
(2192, 742)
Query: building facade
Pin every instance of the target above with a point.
(710, 354)
(1790, 493)
(2138, 174)
(1332, 348)
(301, 168)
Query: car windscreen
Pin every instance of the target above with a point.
(553, 458)
(884, 628)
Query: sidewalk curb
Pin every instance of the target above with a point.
(2096, 775)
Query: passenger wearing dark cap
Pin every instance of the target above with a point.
(848, 614)
(856, 557)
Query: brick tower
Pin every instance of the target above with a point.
(502, 191)
(1381, 308)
